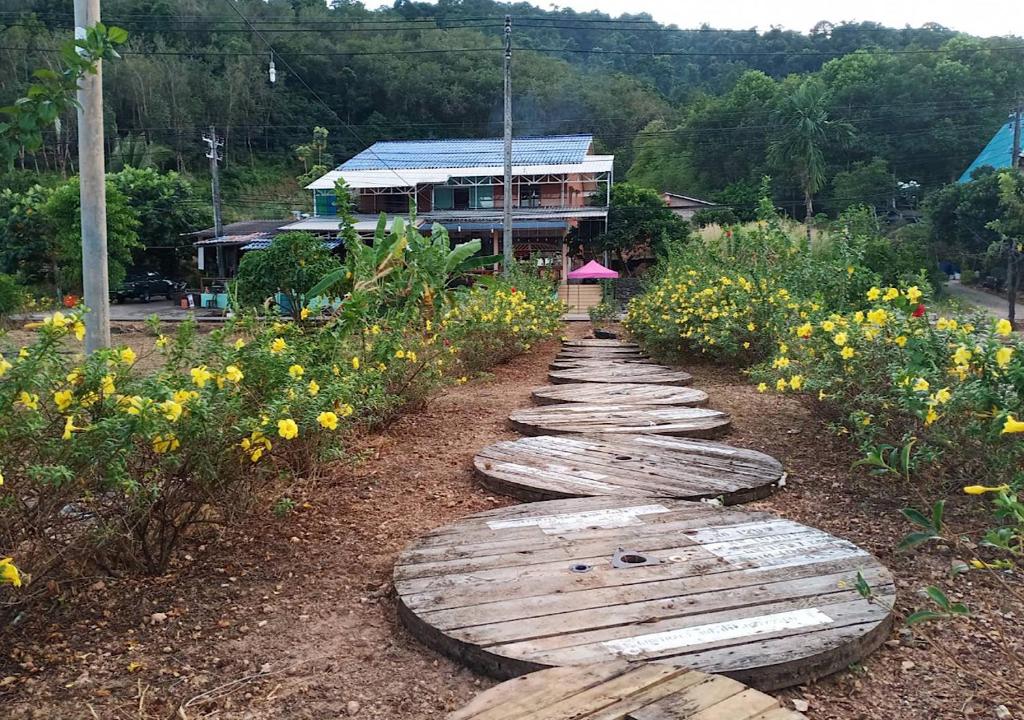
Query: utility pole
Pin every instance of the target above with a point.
(507, 192)
(92, 191)
(213, 154)
(1011, 246)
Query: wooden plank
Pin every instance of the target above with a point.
(764, 600)
(584, 418)
(622, 373)
(618, 690)
(549, 467)
(562, 363)
(599, 342)
(619, 394)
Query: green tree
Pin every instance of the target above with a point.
(804, 131)
(314, 157)
(63, 208)
(638, 217)
(167, 209)
(866, 183)
(28, 238)
(294, 263)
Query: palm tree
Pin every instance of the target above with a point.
(803, 131)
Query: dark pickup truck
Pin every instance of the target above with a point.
(146, 287)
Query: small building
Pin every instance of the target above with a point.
(996, 154)
(235, 238)
(685, 206)
(558, 185)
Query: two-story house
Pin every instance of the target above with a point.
(558, 185)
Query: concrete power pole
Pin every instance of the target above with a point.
(218, 228)
(1011, 248)
(507, 192)
(93, 191)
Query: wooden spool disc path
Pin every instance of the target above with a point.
(623, 691)
(767, 601)
(561, 363)
(549, 467)
(600, 353)
(599, 343)
(619, 394)
(620, 373)
(584, 418)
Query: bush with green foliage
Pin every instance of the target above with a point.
(12, 296)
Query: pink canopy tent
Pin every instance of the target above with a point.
(593, 270)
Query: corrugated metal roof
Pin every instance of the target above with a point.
(996, 153)
(423, 154)
(264, 244)
(517, 225)
(359, 179)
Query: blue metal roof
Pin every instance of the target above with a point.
(424, 154)
(516, 225)
(996, 153)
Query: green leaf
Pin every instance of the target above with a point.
(923, 616)
(326, 282)
(917, 517)
(481, 261)
(938, 510)
(863, 587)
(938, 597)
(460, 253)
(117, 35)
(914, 539)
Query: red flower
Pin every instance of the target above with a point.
(512, 290)
(918, 311)
(70, 301)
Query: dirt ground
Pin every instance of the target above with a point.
(294, 618)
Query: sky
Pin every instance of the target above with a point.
(978, 17)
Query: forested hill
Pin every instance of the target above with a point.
(684, 109)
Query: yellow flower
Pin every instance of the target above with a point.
(840, 339)
(1, 479)
(982, 489)
(804, 330)
(1012, 425)
(945, 324)
(746, 346)
(410, 356)
(780, 384)
(921, 385)
(287, 428)
(135, 404)
(69, 427)
(900, 341)
(796, 382)
(931, 417)
(278, 346)
(462, 380)
(878, 317)
(822, 395)
(914, 293)
(107, 386)
(313, 387)
(239, 344)
(171, 410)
(161, 342)
(163, 444)
(962, 356)
(762, 387)
(56, 320)
(304, 313)
(355, 363)
(1003, 356)
(4, 366)
(30, 401)
(847, 352)
(183, 396)
(200, 376)
(781, 362)
(828, 326)
(1004, 327)
(874, 293)
(9, 574)
(375, 330)
(328, 420)
(79, 330)
(127, 355)
(345, 410)
(858, 317)
(891, 294)
(296, 371)
(400, 354)
(233, 374)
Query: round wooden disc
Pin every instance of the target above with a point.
(620, 690)
(764, 600)
(622, 372)
(584, 418)
(600, 352)
(598, 342)
(548, 467)
(619, 394)
(560, 363)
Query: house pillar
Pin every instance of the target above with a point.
(565, 262)
(495, 249)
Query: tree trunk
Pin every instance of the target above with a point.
(809, 205)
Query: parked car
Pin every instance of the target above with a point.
(147, 286)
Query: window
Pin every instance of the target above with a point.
(324, 203)
(529, 196)
(481, 196)
(444, 198)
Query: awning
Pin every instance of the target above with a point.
(593, 270)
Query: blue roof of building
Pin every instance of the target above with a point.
(997, 153)
(425, 154)
(516, 225)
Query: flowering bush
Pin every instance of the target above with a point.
(101, 462)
